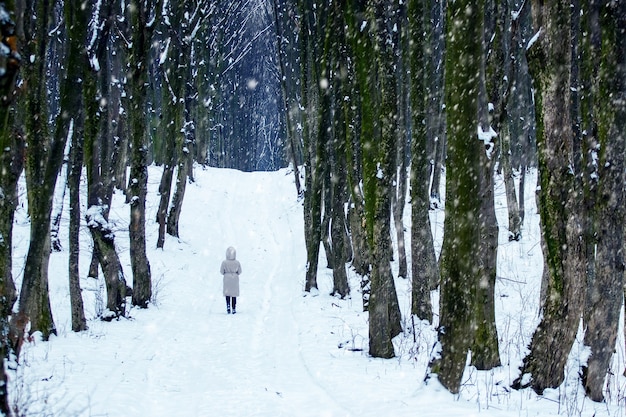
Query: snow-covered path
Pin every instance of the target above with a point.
(243, 369)
(185, 352)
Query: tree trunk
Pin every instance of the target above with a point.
(522, 192)
(358, 239)
(11, 165)
(398, 202)
(494, 92)
(99, 163)
(122, 158)
(352, 107)
(34, 303)
(93, 264)
(141, 42)
(76, 21)
(460, 274)
(142, 284)
(361, 257)
(424, 268)
(338, 176)
(438, 167)
(289, 107)
(515, 129)
(43, 161)
(57, 208)
(512, 202)
(485, 351)
(435, 105)
(559, 202)
(327, 210)
(384, 311)
(604, 61)
(118, 119)
(185, 94)
(338, 226)
(312, 135)
(79, 322)
(109, 261)
(179, 193)
(165, 189)
(521, 103)
(314, 194)
(170, 128)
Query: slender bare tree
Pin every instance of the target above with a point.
(142, 23)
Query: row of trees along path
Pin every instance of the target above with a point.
(111, 88)
(370, 93)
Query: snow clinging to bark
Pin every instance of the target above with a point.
(487, 138)
(534, 39)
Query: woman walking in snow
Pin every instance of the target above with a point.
(231, 268)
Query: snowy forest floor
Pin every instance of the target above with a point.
(285, 353)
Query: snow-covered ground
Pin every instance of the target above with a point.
(284, 353)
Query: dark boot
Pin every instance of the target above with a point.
(234, 300)
(227, 305)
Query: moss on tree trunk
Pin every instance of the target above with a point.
(11, 165)
(559, 200)
(384, 311)
(424, 268)
(604, 121)
(461, 272)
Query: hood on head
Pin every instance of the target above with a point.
(231, 253)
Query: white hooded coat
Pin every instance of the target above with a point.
(231, 268)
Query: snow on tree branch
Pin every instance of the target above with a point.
(487, 137)
(95, 27)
